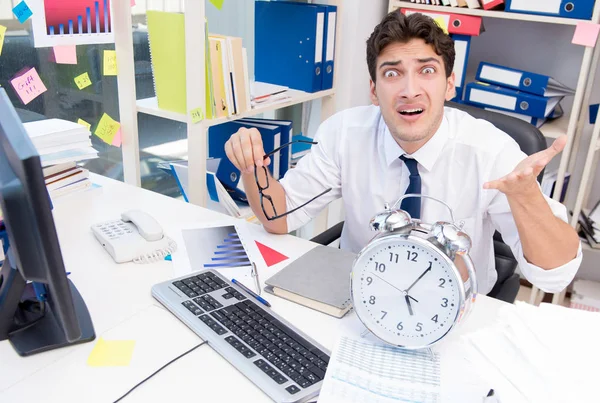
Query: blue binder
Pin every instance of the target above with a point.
(522, 80)
(329, 47)
(218, 136)
(593, 113)
(285, 137)
(579, 9)
(462, 46)
(288, 44)
(486, 95)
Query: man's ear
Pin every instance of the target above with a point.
(373, 93)
(451, 87)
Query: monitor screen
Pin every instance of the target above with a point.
(33, 322)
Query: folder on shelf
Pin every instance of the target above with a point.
(579, 9)
(537, 122)
(271, 135)
(594, 113)
(507, 99)
(239, 85)
(522, 80)
(329, 47)
(457, 24)
(289, 44)
(490, 4)
(286, 137)
(462, 45)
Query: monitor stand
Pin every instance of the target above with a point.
(31, 326)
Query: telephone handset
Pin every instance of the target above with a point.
(136, 237)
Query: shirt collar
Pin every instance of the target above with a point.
(426, 155)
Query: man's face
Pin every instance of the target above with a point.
(411, 88)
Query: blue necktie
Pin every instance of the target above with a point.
(412, 205)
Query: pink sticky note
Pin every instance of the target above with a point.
(117, 139)
(28, 85)
(586, 34)
(132, 3)
(65, 54)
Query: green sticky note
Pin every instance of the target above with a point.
(197, 115)
(111, 353)
(107, 129)
(82, 81)
(217, 3)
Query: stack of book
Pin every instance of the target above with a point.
(525, 95)
(61, 144)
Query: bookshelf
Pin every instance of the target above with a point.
(129, 106)
(571, 124)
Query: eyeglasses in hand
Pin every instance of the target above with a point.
(264, 185)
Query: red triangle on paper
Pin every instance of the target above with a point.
(271, 256)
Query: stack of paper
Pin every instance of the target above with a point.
(60, 141)
(267, 94)
(539, 354)
(67, 178)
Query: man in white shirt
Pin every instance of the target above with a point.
(468, 163)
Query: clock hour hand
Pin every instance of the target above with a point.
(420, 277)
(412, 298)
(407, 299)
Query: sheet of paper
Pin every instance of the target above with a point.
(110, 63)
(111, 353)
(84, 123)
(2, 33)
(83, 80)
(107, 128)
(362, 371)
(586, 34)
(22, 12)
(66, 54)
(28, 85)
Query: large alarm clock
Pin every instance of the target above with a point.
(406, 285)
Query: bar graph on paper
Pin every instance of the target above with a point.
(71, 22)
(360, 371)
(215, 248)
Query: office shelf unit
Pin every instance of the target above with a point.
(197, 133)
(571, 124)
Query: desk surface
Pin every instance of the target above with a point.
(118, 298)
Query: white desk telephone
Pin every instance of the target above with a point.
(135, 237)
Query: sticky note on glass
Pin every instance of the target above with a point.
(22, 12)
(132, 3)
(65, 54)
(111, 353)
(217, 3)
(117, 139)
(586, 34)
(107, 129)
(110, 63)
(83, 80)
(441, 23)
(2, 33)
(197, 115)
(28, 85)
(84, 123)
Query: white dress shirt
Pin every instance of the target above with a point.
(359, 159)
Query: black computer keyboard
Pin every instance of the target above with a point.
(278, 358)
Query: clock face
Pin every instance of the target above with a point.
(405, 291)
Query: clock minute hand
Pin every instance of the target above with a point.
(417, 280)
(388, 283)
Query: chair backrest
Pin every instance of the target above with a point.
(528, 137)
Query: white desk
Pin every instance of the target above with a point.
(118, 298)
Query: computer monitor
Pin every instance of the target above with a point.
(40, 308)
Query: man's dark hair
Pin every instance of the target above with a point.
(397, 27)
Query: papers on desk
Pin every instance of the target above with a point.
(539, 354)
(362, 371)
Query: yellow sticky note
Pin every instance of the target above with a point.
(110, 63)
(441, 23)
(84, 123)
(107, 128)
(111, 353)
(217, 3)
(197, 115)
(2, 32)
(82, 81)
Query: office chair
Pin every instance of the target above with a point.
(531, 140)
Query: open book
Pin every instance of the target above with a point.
(319, 279)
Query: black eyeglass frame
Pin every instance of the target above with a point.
(261, 189)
